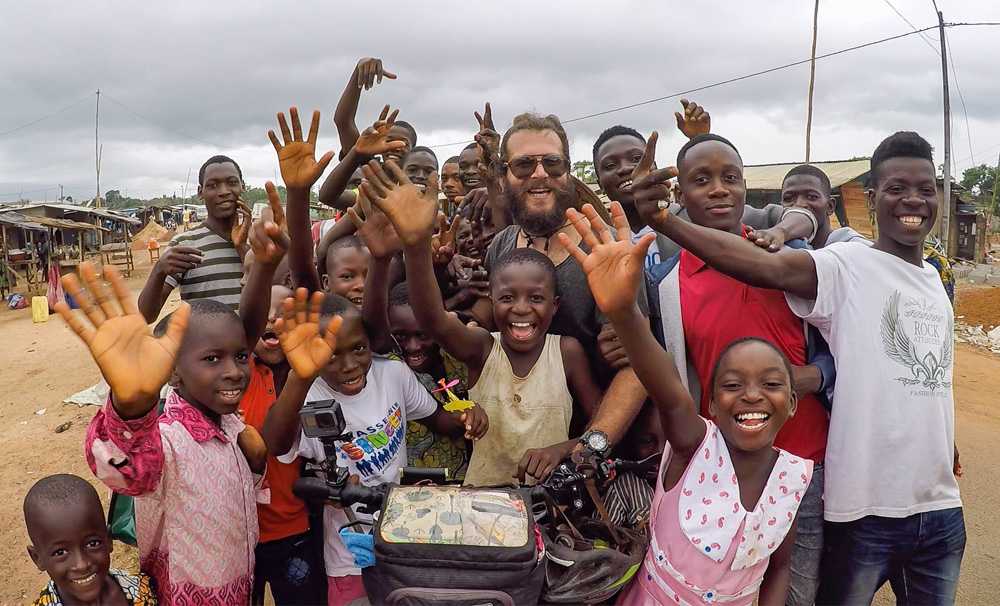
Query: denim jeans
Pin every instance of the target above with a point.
(290, 566)
(808, 549)
(919, 555)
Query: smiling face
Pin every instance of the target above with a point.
(752, 396)
(346, 271)
(419, 166)
(905, 198)
(468, 168)
(524, 302)
(399, 133)
(451, 181)
(712, 187)
(466, 241)
(616, 159)
(213, 365)
(221, 187)
(538, 201)
(420, 352)
(806, 192)
(268, 349)
(347, 370)
(70, 542)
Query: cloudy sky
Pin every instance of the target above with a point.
(187, 80)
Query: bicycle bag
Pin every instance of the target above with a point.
(454, 546)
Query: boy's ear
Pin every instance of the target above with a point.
(199, 191)
(555, 302)
(712, 409)
(33, 554)
(326, 282)
(793, 405)
(175, 379)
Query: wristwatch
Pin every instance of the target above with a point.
(596, 441)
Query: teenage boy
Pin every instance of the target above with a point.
(451, 186)
(892, 502)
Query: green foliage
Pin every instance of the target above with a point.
(980, 181)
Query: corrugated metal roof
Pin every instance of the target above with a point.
(19, 220)
(770, 176)
(32, 222)
(100, 212)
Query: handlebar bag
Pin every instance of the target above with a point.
(455, 546)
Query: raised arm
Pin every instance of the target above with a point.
(366, 74)
(792, 271)
(614, 269)
(372, 142)
(490, 168)
(269, 242)
(380, 237)
(413, 214)
(299, 171)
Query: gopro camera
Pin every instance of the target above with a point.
(323, 419)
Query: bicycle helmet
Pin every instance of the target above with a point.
(593, 569)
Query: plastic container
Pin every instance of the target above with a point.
(39, 309)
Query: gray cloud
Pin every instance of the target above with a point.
(209, 77)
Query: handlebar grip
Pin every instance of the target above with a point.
(312, 489)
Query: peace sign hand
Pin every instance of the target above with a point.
(375, 139)
(613, 259)
(269, 236)
(411, 211)
(443, 242)
(306, 348)
(489, 142)
(134, 362)
(695, 120)
(297, 157)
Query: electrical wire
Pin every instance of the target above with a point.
(914, 28)
(157, 124)
(45, 117)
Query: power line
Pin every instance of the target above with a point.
(45, 117)
(961, 97)
(913, 27)
(157, 124)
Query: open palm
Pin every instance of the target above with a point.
(412, 212)
(374, 228)
(374, 140)
(297, 156)
(614, 265)
(134, 362)
(306, 348)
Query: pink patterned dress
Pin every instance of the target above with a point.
(195, 508)
(705, 548)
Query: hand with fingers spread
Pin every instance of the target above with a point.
(375, 139)
(134, 362)
(489, 142)
(297, 157)
(269, 237)
(443, 243)
(614, 266)
(694, 121)
(374, 229)
(306, 348)
(370, 72)
(412, 212)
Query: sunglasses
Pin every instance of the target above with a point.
(524, 166)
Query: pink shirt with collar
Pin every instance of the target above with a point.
(195, 507)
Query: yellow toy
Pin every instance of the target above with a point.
(454, 404)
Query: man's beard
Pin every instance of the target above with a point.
(542, 223)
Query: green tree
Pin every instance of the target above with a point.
(584, 171)
(980, 181)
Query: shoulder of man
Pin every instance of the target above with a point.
(503, 241)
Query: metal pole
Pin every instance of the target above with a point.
(97, 149)
(812, 81)
(946, 203)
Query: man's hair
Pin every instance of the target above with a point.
(518, 256)
(334, 304)
(615, 131)
(421, 149)
(451, 160)
(535, 122)
(701, 139)
(399, 296)
(62, 490)
(902, 144)
(472, 145)
(199, 308)
(408, 128)
(217, 160)
(812, 171)
(743, 341)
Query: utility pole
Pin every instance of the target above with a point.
(946, 203)
(61, 197)
(812, 81)
(97, 149)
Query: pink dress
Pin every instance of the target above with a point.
(705, 548)
(195, 507)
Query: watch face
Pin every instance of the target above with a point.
(597, 441)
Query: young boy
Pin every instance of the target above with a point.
(451, 186)
(189, 467)
(419, 164)
(326, 344)
(892, 502)
(346, 268)
(205, 261)
(525, 378)
(70, 543)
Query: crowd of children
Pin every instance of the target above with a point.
(794, 380)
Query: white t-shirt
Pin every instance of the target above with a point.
(892, 430)
(653, 253)
(377, 416)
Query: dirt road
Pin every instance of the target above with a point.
(40, 364)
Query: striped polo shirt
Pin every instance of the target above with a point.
(218, 277)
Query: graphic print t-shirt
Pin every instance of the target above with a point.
(891, 440)
(377, 417)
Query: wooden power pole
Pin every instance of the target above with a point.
(946, 203)
(812, 81)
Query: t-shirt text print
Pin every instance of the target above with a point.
(918, 336)
(374, 448)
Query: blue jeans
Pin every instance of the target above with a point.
(808, 549)
(919, 555)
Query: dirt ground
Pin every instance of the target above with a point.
(43, 363)
(979, 306)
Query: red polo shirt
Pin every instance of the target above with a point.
(716, 310)
(286, 515)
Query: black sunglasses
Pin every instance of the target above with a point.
(524, 166)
